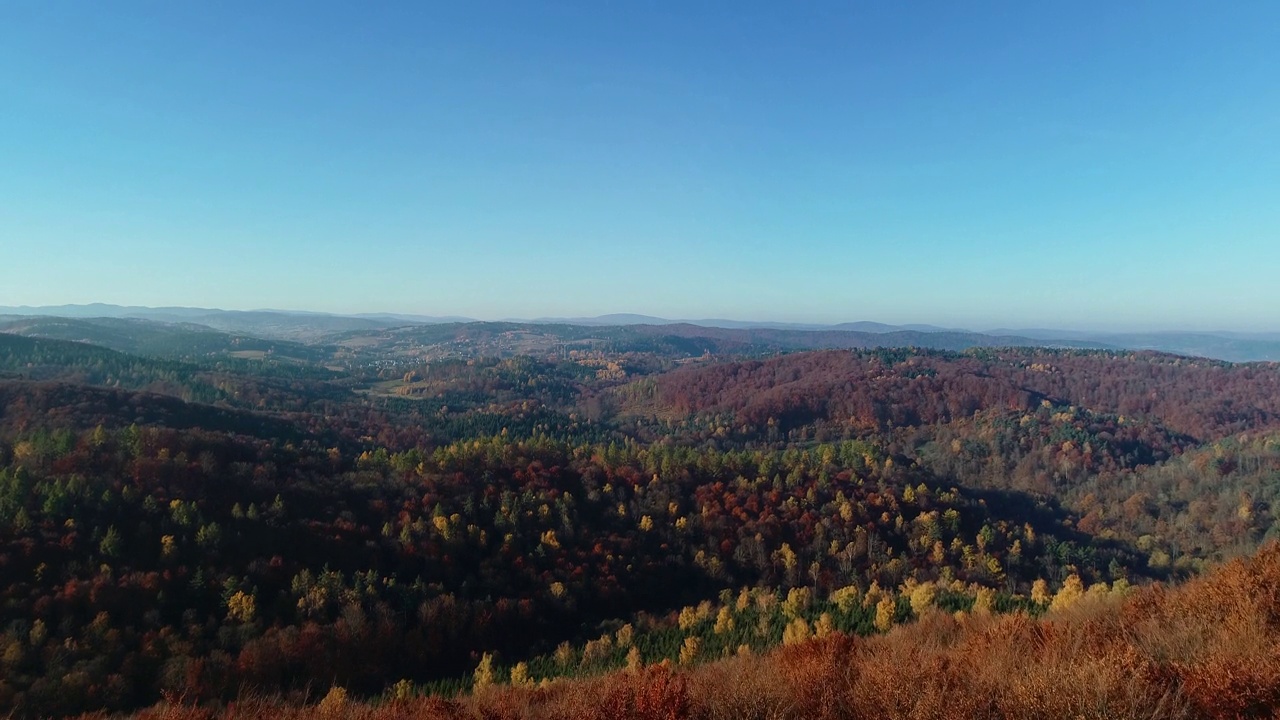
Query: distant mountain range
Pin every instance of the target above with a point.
(632, 319)
(309, 327)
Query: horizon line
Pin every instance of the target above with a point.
(445, 318)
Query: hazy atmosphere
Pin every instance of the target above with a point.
(984, 165)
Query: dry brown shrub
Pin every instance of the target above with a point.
(741, 688)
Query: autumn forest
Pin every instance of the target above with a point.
(485, 525)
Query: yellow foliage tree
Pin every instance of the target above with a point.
(704, 610)
(625, 635)
(688, 618)
(846, 598)
(787, 557)
(168, 547)
(403, 690)
(922, 598)
(442, 526)
(796, 631)
(1072, 590)
(1040, 592)
(484, 675)
(885, 610)
(825, 626)
(797, 601)
(241, 607)
(939, 554)
(724, 621)
(874, 593)
(597, 651)
(333, 704)
(983, 601)
(689, 650)
(564, 654)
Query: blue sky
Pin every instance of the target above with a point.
(1102, 165)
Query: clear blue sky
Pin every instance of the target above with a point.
(1084, 164)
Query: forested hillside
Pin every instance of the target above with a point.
(203, 529)
(1204, 399)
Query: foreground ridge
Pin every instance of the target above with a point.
(1206, 649)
